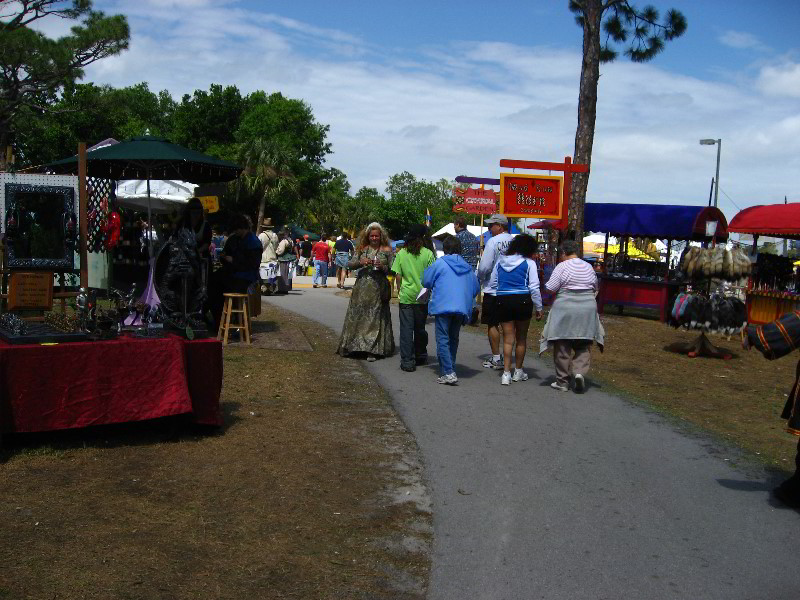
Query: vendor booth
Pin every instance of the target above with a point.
(647, 283)
(773, 287)
(127, 360)
(59, 371)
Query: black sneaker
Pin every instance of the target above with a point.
(408, 369)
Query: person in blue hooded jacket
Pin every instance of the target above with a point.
(453, 285)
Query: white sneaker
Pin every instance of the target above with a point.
(490, 363)
(506, 378)
(449, 379)
(557, 386)
(519, 375)
(580, 384)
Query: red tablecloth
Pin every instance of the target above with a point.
(43, 388)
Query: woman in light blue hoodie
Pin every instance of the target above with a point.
(516, 280)
(453, 285)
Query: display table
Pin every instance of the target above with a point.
(65, 386)
(640, 293)
(765, 306)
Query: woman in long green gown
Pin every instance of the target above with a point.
(367, 329)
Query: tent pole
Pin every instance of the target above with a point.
(669, 259)
(149, 219)
(83, 204)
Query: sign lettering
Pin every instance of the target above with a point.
(539, 196)
(210, 203)
(30, 290)
(475, 201)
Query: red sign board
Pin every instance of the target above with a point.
(475, 201)
(537, 196)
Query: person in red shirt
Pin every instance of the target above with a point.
(321, 252)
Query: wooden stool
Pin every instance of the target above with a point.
(235, 304)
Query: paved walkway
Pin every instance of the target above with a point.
(541, 494)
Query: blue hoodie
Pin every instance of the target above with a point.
(453, 286)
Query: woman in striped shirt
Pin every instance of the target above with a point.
(573, 323)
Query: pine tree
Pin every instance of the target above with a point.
(642, 36)
(35, 68)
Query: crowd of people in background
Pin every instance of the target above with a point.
(446, 288)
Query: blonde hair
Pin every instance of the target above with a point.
(363, 239)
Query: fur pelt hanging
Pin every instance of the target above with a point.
(704, 263)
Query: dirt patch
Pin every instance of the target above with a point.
(273, 335)
(312, 490)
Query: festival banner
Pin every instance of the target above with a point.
(537, 196)
(475, 201)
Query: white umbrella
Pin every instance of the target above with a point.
(165, 195)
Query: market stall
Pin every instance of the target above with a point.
(133, 358)
(648, 283)
(773, 288)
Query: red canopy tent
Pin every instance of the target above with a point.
(777, 220)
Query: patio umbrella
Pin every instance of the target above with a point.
(149, 157)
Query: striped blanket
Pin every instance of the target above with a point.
(775, 340)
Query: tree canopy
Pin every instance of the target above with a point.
(35, 68)
(277, 140)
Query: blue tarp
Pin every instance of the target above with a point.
(662, 221)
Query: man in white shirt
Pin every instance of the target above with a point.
(268, 270)
(495, 247)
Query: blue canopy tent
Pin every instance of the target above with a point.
(660, 221)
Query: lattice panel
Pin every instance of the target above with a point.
(101, 191)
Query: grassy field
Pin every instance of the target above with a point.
(312, 489)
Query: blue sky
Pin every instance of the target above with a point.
(443, 88)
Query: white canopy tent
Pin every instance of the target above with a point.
(165, 195)
(450, 229)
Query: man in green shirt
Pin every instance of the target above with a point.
(408, 267)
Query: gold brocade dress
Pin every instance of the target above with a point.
(368, 324)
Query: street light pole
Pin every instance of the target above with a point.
(718, 142)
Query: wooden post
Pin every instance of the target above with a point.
(83, 210)
(669, 258)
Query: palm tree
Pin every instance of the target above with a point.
(268, 171)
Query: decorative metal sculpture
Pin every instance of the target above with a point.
(180, 280)
(124, 304)
(86, 310)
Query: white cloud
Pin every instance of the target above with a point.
(741, 40)
(780, 80)
(458, 108)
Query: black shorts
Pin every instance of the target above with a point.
(489, 310)
(513, 307)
